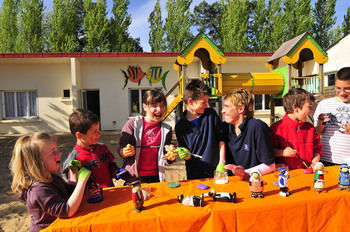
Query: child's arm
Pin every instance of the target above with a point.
(315, 159)
(287, 152)
(78, 193)
(222, 150)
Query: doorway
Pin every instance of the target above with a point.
(91, 101)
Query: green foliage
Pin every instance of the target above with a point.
(346, 23)
(156, 33)
(234, 25)
(30, 34)
(324, 15)
(119, 37)
(8, 26)
(64, 25)
(96, 26)
(207, 19)
(177, 25)
(258, 33)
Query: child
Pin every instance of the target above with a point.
(85, 126)
(331, 116)
(292, 136)
(248, 140)
(35, 167)
(144, 139)
(200, 130)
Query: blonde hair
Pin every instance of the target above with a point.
(242, 98)
(26, 164)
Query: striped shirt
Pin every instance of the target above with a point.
(335, 144)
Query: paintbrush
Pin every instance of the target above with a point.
(303, 161)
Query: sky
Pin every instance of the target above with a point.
(140, 10)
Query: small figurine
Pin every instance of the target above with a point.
(137, 196)
(191, 200)
(256, 184)
(95, 192)
(283, 182)
(223, 196)
(319, 177)
(344, 177)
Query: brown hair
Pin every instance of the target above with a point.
(242, 98)
(81, 121)
(153, 96)
(26, 164)
(343, 74)
(195, 90)
(296, 97)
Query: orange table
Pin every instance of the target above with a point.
(304, 210)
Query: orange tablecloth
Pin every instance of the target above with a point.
(304, 210)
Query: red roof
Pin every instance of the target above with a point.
(118, 54)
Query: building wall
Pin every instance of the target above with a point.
(49, 79)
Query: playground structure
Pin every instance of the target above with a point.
(292, 54)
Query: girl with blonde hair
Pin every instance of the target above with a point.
(35, 167)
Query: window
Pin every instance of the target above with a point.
(18, 104)
(66, 93)
(331, 79)
(261, 102)
(135, 101)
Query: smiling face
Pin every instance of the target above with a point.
(198, 106)
(154, 112)
(342, 89)
(302, 113)
(51, 157)
(90, 137)
(231, 113)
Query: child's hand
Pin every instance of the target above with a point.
(237, 170)
(184, 153)
(171, 152)
(129, 150)
(74, 165)
(347, 128)
(83, 174)
(289, 152)
(323, 118)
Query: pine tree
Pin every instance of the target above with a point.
(156, 33)
(64, 25)
(234, 25)
(96, 26)
(177, 25)
(30, 26)
(324, 15)
(346, 23)
(8, 26)
(207, 19)
(258, 34)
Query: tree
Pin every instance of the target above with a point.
(207, 19)
(30, 26)
(324, 15)
(258, 34)
(304, 19)
(346, 23)
(234, 25)
(8, 26)
(156, 33)
(177, 25)
(119, 37)
(96, 26)
(64, 25)
(276, 24)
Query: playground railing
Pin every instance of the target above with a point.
(310, 84)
